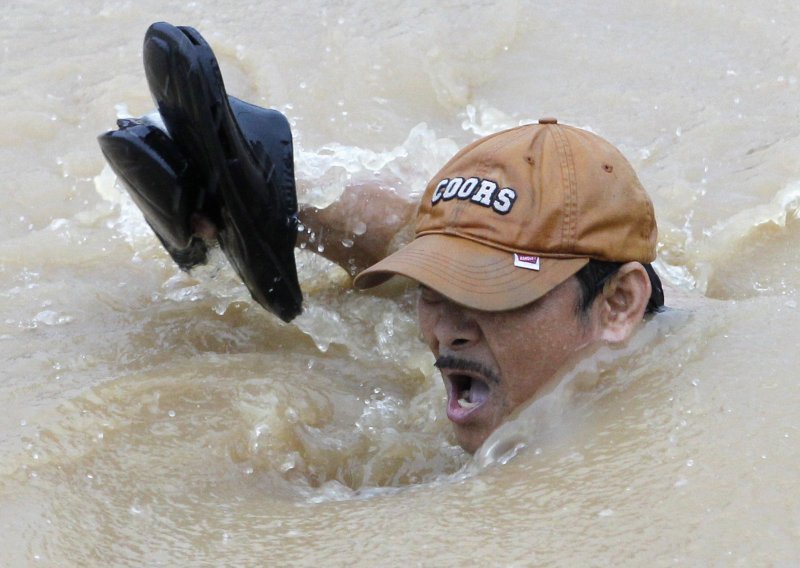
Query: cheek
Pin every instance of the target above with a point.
(426, 318)
(531, 353)
(530, 365)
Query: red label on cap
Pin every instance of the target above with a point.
(526, 261)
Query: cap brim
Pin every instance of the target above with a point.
(470, 273)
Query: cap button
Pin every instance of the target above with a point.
(548, 120)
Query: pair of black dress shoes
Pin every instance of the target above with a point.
(220, 159)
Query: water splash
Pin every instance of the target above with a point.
(324, 172)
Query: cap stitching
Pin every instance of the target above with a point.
(495, 245)
(569, 190)
(475, 278)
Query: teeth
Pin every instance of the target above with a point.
(463, 403)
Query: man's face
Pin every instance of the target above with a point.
(491, 362)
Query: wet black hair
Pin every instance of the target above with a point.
(594, 276)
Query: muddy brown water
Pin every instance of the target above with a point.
(153, 418)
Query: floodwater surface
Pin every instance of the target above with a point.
(150, 417)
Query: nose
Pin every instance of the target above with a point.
(455, 328)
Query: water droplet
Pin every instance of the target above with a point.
(360, 228)
(171, 413)
(347, 243)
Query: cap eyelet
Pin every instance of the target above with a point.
(608, 167)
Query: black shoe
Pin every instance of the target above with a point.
(158, 178)
(155, 174)
(246, 165)
(239, 168)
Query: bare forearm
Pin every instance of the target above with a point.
(359, 229)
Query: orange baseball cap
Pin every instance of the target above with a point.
(516, 213)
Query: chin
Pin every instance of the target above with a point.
(470, 439)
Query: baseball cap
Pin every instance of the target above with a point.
(516, 213)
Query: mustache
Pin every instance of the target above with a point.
(459, 364)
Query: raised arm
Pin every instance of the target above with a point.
(363, 226)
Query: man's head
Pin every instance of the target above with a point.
(531, 244)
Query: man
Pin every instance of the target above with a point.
(530, 244)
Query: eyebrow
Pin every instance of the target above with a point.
(459, 364)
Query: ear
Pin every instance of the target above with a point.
(622, 303)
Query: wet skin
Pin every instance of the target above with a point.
(491, 362)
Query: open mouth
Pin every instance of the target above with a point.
(466, 394)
